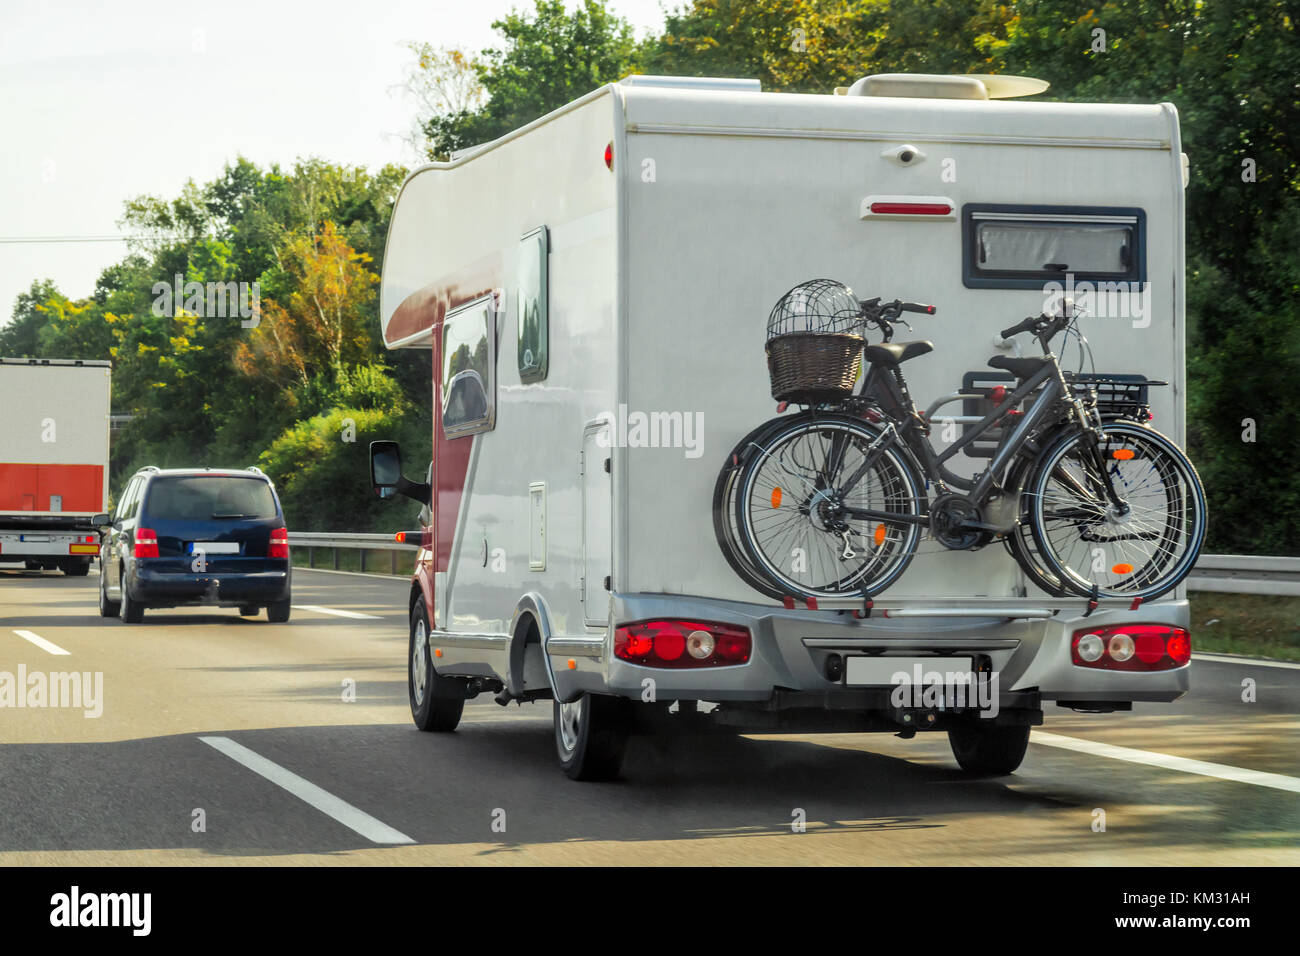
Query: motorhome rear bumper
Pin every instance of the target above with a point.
(791, 648)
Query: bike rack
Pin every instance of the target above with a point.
(1027, 614)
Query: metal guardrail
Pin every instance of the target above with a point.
(1246, 574)
(338, 541)
(1229, 573)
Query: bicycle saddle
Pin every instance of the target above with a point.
(1019, 367)
(891, 353)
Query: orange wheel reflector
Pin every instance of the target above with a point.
(1122, 454)
(1122, 568)
(879, 535)
(776, 497)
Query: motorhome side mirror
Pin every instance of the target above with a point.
(101, 521)
(385, 467)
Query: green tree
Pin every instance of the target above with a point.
(548, 59)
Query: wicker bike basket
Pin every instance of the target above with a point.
(814, 343)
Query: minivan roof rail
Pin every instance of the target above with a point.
(255, 469)
(148, 468)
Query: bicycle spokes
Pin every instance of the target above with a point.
(1142, 545)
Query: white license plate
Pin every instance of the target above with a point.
(880, 671)
(215, 547)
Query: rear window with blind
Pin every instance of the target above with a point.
(1012, 247)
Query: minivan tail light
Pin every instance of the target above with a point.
(146, 543)
(1132, 647)
(681, 644)
(279, 547)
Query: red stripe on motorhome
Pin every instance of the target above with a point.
(423, 309)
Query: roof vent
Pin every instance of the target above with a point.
(724, 83)
(940, 87)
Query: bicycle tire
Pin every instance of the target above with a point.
(905, 495)
(1154, 457)
(1020, 542)
(724, 512)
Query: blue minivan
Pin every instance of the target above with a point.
(195, 536)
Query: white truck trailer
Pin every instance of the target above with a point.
(53, 461)
(593, 289)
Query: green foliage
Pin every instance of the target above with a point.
(309, 238)
(547, 60)
(321, 468)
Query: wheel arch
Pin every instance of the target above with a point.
(531, 623)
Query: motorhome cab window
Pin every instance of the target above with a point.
(533, 249)
(1021, 247)
(468, 376)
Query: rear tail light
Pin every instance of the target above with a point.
(279, 547)
(1132, 647)
(682, 644)
(146, 543)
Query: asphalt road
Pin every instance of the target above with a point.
(191, 698)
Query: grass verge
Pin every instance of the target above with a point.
(1260, 625)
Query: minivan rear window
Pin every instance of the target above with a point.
(210, 497)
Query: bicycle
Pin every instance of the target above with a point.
(832, 501)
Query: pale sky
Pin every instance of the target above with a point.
(103, 101)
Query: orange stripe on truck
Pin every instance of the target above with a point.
(28, 487)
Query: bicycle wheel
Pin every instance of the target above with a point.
(724, 508)
(792, 503)
(1020, 545)
(1094, 547)
(1020, 542)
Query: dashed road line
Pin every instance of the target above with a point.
(41, 642)
(1151, 758)
(337, 612)
(345, 813)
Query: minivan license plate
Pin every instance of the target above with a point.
(215, 547)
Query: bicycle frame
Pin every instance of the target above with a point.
(897, 399)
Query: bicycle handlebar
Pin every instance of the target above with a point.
(1028, 325)
(916, 307)
(874, 310)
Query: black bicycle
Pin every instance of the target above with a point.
(832, 501)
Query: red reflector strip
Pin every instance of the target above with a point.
(911, 209)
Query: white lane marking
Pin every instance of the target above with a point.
(345, 813)
(1245, 661)
(41, 642)
(337, 612)
(1150, 758)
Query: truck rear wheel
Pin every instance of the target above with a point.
(986, 750)
(76, 569)
(591, 736)
(436, 701)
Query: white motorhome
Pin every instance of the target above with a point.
(593, 289)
